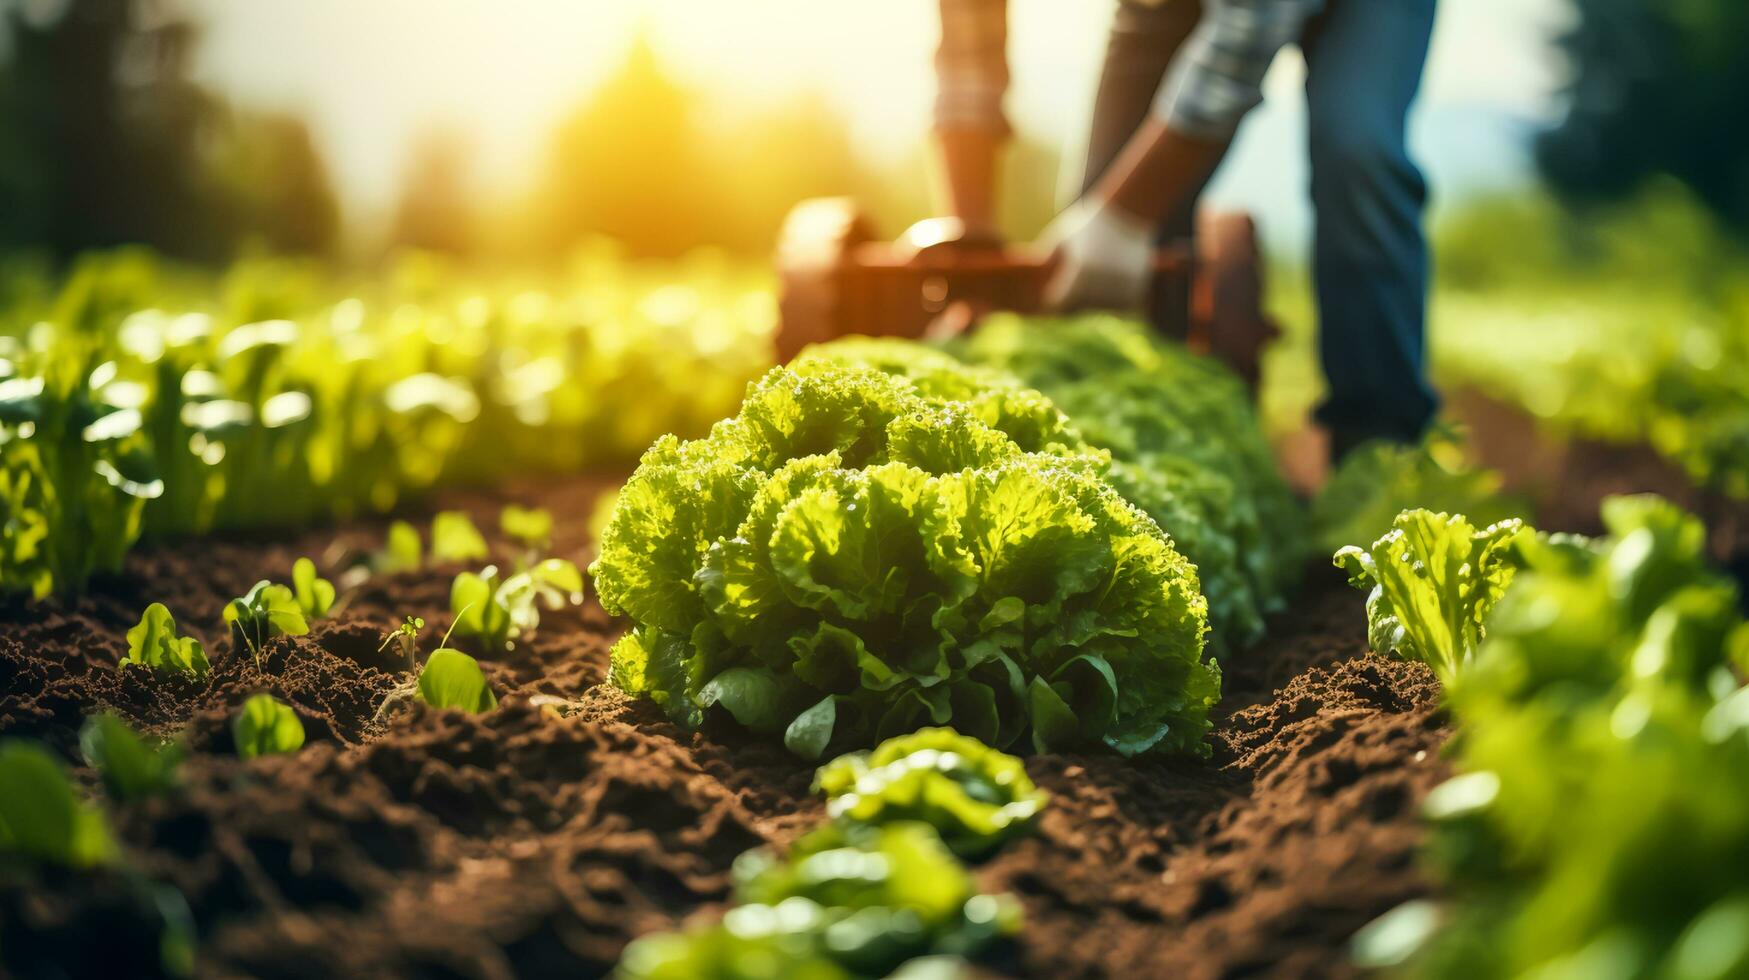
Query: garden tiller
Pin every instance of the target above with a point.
(839, 278)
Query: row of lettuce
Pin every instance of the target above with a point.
(139, 399)
(1622, 365)
(886, 538)
(1599, 825)
(889, 536)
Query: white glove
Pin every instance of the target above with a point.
(1104, 259)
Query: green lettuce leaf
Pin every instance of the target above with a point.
(1600, 823)
(452, 679)
(845, 902)
(266, 726)
(1434, 579)
(973, 795)
(41, 815)
(1184, 445)
(153, 643)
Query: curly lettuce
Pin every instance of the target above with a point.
(973, 795)
(1600, 824)
(857, 554)
(1434, 578)
(845, 902)
(1185, 447)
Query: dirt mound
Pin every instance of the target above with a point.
(1301, 831)
(470, 844)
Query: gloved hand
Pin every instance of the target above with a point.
(1104, 259)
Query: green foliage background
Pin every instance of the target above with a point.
(1654, 86)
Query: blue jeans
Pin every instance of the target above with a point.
(1369, 257)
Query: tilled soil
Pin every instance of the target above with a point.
(409, 841)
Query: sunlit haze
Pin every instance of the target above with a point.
(372, 76)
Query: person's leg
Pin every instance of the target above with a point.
(1144, 39)
(1363, 66)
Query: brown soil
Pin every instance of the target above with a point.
(519, 842)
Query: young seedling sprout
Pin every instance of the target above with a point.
(531, 527)
(315, 595)
(493, 610)
(406, 637)
(455, 538)
(404, 551)
(267, 610)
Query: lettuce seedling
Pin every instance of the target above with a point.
(494, 610)
(753, 950)
(132, 768)
(41, 817)
(532, 527)
(902, 869)
(849, 559)
(452, 679)
(1434, 579)
(266, 726)
(403, 551)
(455, 538)
(153, 643)
(267, 610)
(973, 795)
(845, 902)
(315, 595)
(75, 471)
(405, 637)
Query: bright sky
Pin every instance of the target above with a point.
(373, 74)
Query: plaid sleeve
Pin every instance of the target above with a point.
(1218, 76)
(971, 65)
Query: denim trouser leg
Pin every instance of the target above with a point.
(1363, 66)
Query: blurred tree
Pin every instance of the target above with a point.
(1658, 87)
(107, 141)
(275, 185)
(633, 164)
(437, 210)
(662, 169)
(103, 131)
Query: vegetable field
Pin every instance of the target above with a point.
(429, 626)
